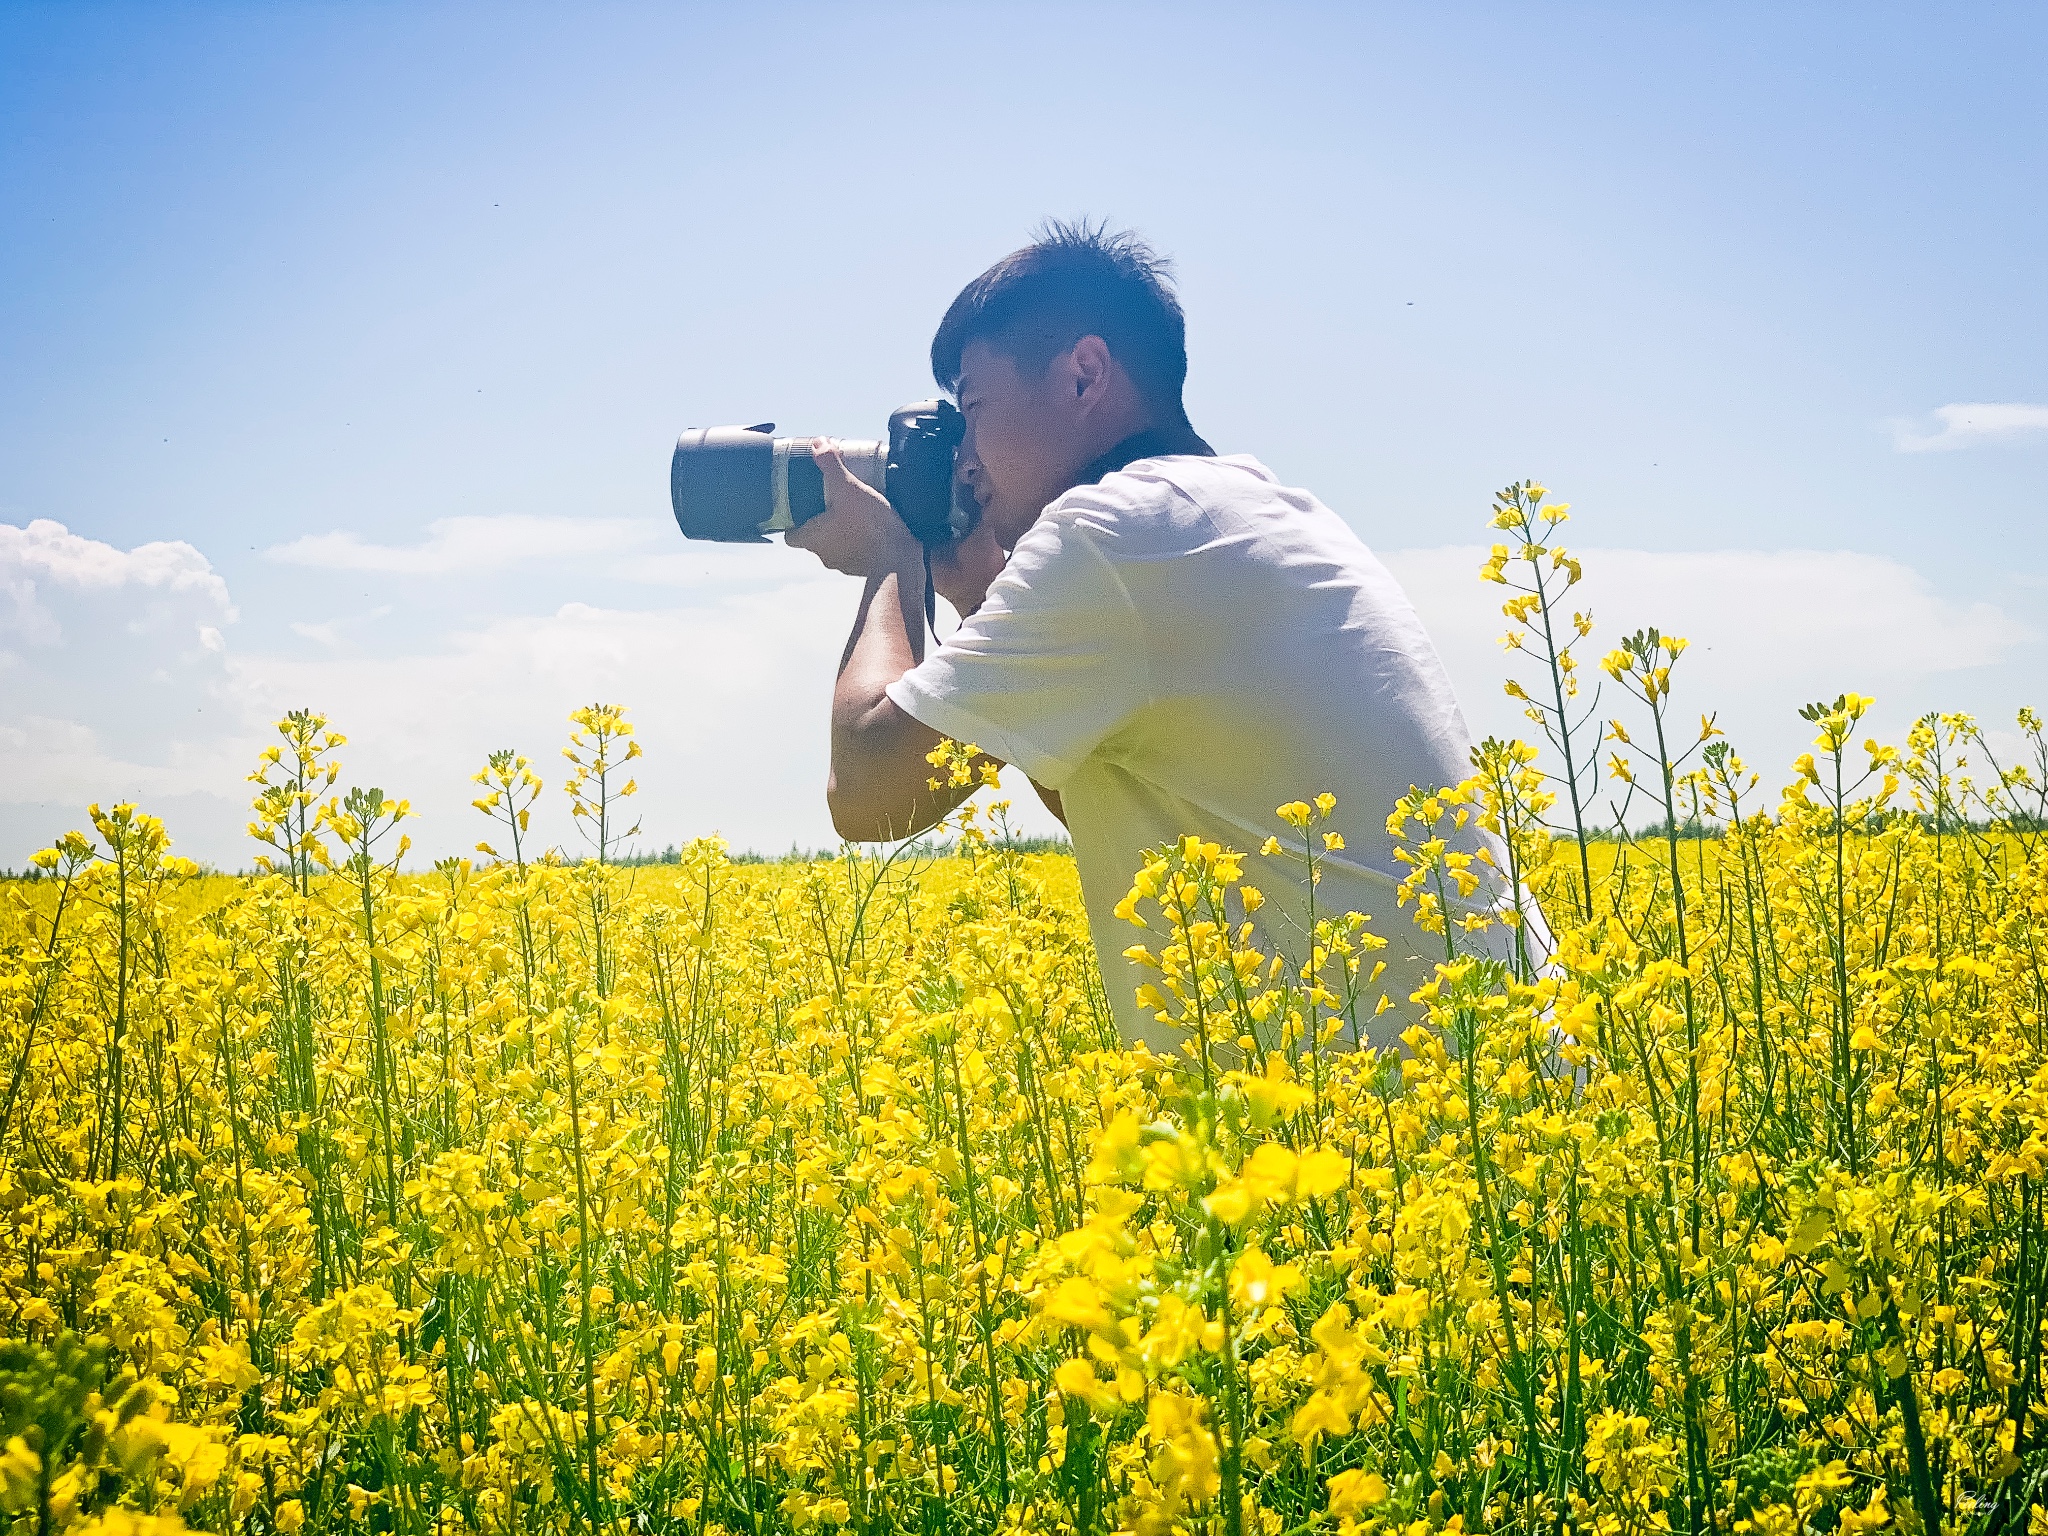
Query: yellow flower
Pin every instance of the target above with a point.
(20, 1469)
(1076, 1379)
(1232, 1202)
(1274, 1094)
(1405, 1309)
(1321, 1172)
(1256, 1281)
(1321, 1415)
(1355, 1491)
(1078, 1303)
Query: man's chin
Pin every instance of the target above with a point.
(1009, 522)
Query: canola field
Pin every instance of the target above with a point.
(532, 1193)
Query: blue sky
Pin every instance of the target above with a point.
(345, 343)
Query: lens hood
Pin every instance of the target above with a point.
(721, 482)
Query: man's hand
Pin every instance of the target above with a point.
(858, 532)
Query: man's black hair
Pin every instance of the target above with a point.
(1075, 280)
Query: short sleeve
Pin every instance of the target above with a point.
(1048, 667)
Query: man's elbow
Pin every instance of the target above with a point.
(855, 817)
(874, 789)
(853, 826)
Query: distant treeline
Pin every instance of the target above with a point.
(797, 855)
(1695, 829)
(1692, 829)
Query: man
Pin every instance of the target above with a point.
(1166, 641)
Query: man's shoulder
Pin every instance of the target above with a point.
(1175, 493)
(1198, 477)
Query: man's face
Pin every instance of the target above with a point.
(1023, 438)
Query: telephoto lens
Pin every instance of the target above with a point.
(740, 484)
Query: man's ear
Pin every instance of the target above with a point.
(1089, 367)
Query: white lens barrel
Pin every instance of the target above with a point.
(868, 460)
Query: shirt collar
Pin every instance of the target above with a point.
(1152, 443)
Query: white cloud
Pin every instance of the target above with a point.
(1770, 631)
(470, 544)
(729, 701)
(115, 663)
(1969, 426)
(333, 634)
(702, 565)
(46, 557)
(48, 759)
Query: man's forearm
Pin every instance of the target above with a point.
(879, 789)
(887, 639)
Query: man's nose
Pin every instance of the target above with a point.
(967, 466)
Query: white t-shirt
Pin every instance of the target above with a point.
(1182, 648)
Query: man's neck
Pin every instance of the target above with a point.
(1155, 439)
(1150, 442)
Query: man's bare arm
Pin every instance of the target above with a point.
(879, 788)
(880, 783)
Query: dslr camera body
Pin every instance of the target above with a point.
(739, 484)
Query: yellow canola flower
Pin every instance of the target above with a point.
(1275, 1174)
(1355, 1491)
(1256, 1281)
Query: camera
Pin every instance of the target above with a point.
(740, 484)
